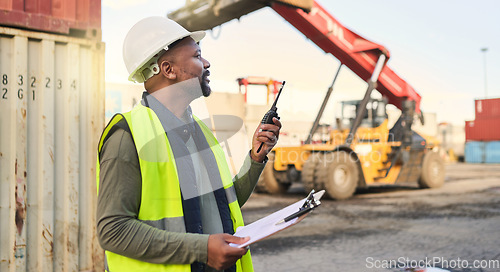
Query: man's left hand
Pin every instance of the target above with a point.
(267, 134)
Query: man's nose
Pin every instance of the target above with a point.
(206, 64)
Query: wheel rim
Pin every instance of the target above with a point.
(341, 176)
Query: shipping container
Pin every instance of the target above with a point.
(483, 130)
(452, 138)
(482, 152)
(488, 108)
(492, 152)
(78, 18)
(51, 117)
(475, 152)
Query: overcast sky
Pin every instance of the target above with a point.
(435, 46)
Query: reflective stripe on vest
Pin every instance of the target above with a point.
(161, 203)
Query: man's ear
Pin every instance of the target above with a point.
(167, 70)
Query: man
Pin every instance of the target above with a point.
(166, 199)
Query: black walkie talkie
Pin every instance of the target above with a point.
(268, 118)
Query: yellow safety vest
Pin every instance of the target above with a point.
(161, 200)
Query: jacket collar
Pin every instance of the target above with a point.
(183, 128)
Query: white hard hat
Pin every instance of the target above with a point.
(146, 39)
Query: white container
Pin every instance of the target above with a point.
(51, 117)
(452, 138)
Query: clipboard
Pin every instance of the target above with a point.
(273, 223)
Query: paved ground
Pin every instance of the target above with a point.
(382, 229)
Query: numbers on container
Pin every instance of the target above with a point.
(59, 84)
(20, 93)
(4, 79)
(47, 82)
(73, 85)
(33, 85)
(4, 95)
(21, 80)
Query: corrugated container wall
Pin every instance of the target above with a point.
(475, 152)
(77, 18)
(482, 152)
(483, 130)
(452, 138)
(51, 116)
(487, 108)
(493, 152)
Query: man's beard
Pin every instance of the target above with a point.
(205, 88)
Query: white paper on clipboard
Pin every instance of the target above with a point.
(266, 226)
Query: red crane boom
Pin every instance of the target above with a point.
(317, 24)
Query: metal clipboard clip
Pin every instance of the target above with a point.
(309, 204)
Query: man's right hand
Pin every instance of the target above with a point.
(220, 254)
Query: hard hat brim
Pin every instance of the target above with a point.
(198, 35)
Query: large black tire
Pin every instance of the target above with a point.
(433, 172)
(308, 171)
(339, 174)
(272, 181)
